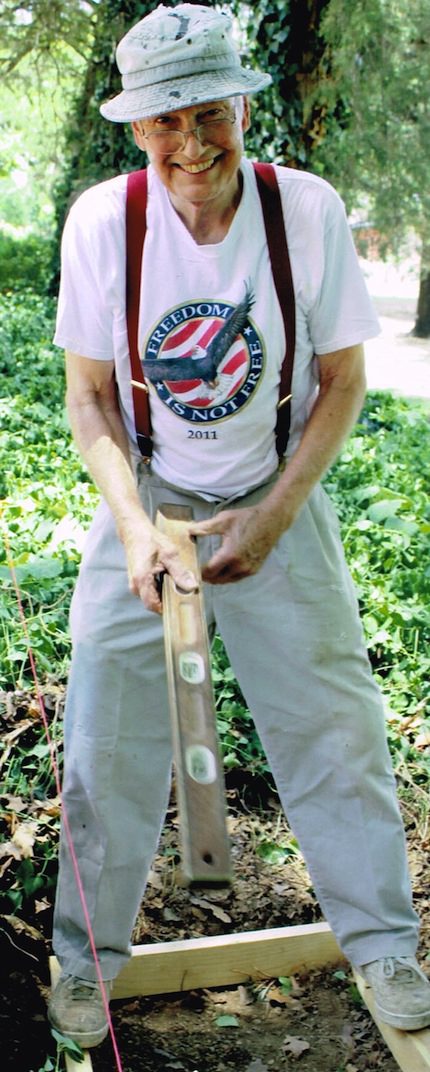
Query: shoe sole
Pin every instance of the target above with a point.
(416, 1022)
(85, 1039)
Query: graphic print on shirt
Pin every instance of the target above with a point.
(205, 358)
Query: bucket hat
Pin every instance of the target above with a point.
(176, 57)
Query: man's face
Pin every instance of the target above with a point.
(205, 168)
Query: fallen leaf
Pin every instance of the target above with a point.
(220, 914)
(423, 739)
(13, 803)
(41, 906)
(295, 1046)
(21, 927)
(11, 851)
(7, 862)
(50, 808)
(227, 1021)
(209, 907)
(278, 997)
(155, 880)
(170, 915)
(24, 838)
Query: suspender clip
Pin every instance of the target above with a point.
(141, 386)
(144, 443)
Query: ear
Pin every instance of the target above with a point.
(137, 135)
(246, 115)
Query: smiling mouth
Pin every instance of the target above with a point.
(196, 169)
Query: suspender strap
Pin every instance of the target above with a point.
(137, 196)
(281, 268)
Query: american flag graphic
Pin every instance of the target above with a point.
(232, 372)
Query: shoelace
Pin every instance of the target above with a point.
(82, 989)
(399, 966)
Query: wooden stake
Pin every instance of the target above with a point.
(199, 774)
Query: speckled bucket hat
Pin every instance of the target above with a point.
(176, 57)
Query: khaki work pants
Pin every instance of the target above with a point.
(295, 643)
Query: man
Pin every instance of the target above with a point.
(277, 585)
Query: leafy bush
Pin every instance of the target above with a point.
(48, 498)
(25, 262)
(379, 486)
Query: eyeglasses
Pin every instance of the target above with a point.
(213, 132)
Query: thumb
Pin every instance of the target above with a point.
(211, 526)
(182, 577)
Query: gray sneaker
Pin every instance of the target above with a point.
(401, 992)
(76, 1009)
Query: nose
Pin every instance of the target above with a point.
(193, 147)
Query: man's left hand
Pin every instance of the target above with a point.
(248, 537)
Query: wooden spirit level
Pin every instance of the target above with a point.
(199, 777)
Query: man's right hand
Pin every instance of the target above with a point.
(150, 554)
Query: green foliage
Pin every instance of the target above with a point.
(240, 743)
(227, 1021)
(29, 808)
(34, 100)
(95, 148)
(281, 37)
(43, 29)
(66, 1045)
(275, 853)
(25, 261)
(47, 497)
(377, 77)
(380, 489)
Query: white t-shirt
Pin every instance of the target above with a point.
(218, 440)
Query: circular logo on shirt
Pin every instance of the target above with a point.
(205, 359)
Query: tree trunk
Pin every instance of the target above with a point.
(422, 323)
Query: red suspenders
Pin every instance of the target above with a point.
(137, 196)
(135, 223)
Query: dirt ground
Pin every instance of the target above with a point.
(317, 1020)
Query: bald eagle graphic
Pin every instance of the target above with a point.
(203, 364)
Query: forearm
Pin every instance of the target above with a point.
(101, 439)
(333, 416)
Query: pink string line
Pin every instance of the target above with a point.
(65, 818)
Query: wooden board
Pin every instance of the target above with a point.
(222, 960)
(225, 960)
(411, 1049)
(205, 849)
(84, 1066)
